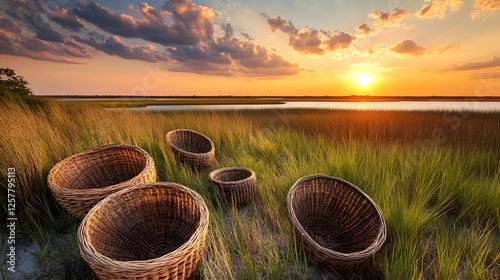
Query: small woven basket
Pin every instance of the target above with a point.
(80, 181)
(236, 185)
(191, 148)
(151, 231)
(338, 224)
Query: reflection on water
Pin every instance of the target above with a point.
(474, 106)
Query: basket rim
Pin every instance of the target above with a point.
(96, 191)
(374, 246)
(96, 258)
(212, 174)
(169, 134)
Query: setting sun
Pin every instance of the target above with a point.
(363, 79)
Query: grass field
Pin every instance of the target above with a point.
(434, 175)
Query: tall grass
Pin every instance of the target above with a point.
(435, 176)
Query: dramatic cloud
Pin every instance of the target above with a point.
(438, 8)
(114, 46)
(228, 55)
(382, 20)
(307, 40)
(490, 63)
(484, 5)
(66, 20)
(186, 29)
(32, 15)
(189, 24)
(40, 41)
(15, 41)
(408, 47)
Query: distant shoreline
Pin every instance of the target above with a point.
(279, 99)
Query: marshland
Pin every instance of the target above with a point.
(434, 174)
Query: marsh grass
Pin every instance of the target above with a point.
(435, 176)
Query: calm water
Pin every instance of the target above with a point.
(474, 106)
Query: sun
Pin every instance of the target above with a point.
(364, 80)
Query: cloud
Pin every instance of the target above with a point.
(487, 78)
(338, 40)
(449, 48)
(364, 28)
(18, 42)
(307, 40)
(390, 17)
(382, 20)
(33, 16)
(279, 23)
(247, 36)
(438, 8)
(228, 55)
(114, 46)
(185, 29)
(490, 63)
(189, 24)
(408, 47)
(67, 20)
(484, 5)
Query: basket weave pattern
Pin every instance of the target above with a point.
(236, 185)
(152, 231)
(336, 222)
(191, 148)
(80, 181)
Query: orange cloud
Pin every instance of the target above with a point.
(308, 40)
(230, 56)
(408, 47)
(438, 8)
(492, 62)
(382, 20)
(484, 5)
(449, 48)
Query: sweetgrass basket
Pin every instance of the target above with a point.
(235, 185)
(338, 224)
(80, 181)
(151, 231)
(191, 147)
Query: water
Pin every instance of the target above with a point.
(474, 106)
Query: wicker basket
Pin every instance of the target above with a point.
(337, 223)
(236, 185)
(82, 180)
(151, 231)
(191, 148)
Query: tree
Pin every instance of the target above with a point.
(13, 85)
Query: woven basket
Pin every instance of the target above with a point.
(236, 185)
(191, 148)
(82, 180)
(338, 224)
(151, 231)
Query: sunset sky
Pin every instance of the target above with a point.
(243, 47)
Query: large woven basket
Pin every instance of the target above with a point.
(338, 224)
(151, 231)
(80, 181)
(191, 148)
(236, 185)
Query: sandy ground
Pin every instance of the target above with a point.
(28, 256)
(25, 260)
